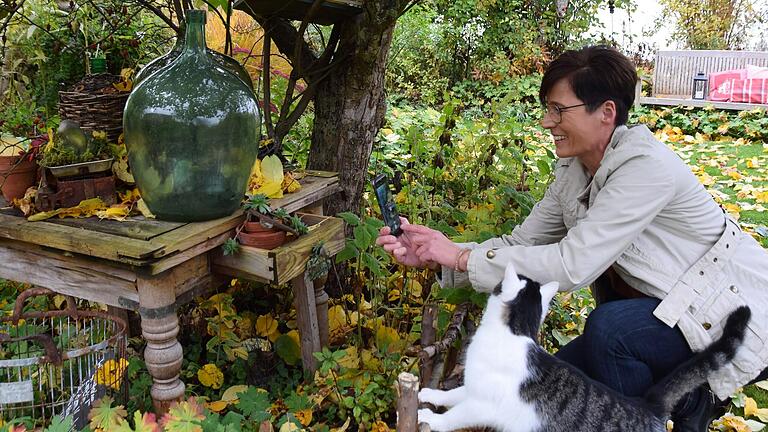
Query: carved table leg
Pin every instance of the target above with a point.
(160, 326)
(321, 304)
(306, 318)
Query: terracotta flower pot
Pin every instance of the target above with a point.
(16, 178)
(254, 227)
(262, 240)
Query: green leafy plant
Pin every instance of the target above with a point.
(258, 203)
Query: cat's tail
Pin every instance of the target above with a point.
(693, 373)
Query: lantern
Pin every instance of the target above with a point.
(700, 86)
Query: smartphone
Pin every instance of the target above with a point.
(387, 204)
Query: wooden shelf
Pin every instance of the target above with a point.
(284, 263)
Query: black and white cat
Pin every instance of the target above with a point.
(513, 385)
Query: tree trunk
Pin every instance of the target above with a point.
(350, 107)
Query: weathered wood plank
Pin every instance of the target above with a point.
(77, 278)
(675, 101)
(183, 256)
(291, 259)
(138, 228)
(313, 189)
(249, 263)
(98, 264)
(76, 240)
(306, 320)
(192, 234)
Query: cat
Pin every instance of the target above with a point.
(512, 385)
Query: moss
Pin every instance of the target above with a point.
(98, 148)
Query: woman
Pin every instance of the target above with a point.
(627, 216)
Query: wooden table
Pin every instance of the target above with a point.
(148, 266)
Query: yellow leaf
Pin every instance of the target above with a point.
(118, 212)
(141, 205)
(750, 407)
(753, 163)
(217, 406)
(272, 189)
(272, 169)
(289, 427)
(350, 359)
(290, 184)
(231, 394)
(265, 325)
(121, 170)
(761, 197)
(337, 318)
(733, 209)
(705, 179)
(293, 334)
(49, 146)
(304, 416)
(110, 374)
(210, 376)
(762, 414)
(387, 339)
(734, 175)
(414, 289)
(343, 427)
(393, 295)
(380, 426)
(735, 424)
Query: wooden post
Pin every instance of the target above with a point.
(321, 305)
(407, 402)
(160, 326)
(306, 318)
(428, 318)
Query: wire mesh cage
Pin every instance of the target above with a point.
(58, 361)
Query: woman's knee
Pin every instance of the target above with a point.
(609, 324)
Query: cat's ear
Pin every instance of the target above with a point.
(511, 284)
(548, 291)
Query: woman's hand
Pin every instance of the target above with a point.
(402, 248)
(432, 245)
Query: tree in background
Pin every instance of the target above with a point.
(713, 24)
(474, 46)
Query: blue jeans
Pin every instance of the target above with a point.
(625, 347)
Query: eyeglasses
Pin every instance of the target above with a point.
(556, 113)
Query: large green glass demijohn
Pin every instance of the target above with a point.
(161, 62)
(192, 131)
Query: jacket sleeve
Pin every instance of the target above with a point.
(543, 225)
(632, 195)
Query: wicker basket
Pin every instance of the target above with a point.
(94, 111)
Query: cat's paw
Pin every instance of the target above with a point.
(428, 395)
(426, 416)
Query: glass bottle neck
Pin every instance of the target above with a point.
(194, 37)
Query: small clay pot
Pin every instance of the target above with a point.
(16, 178)
(254, 227)
(262, 240)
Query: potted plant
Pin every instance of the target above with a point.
(267, 228)
(20, 140)
(18, 168)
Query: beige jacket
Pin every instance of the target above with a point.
(645, 212)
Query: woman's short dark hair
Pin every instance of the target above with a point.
(596, 74)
